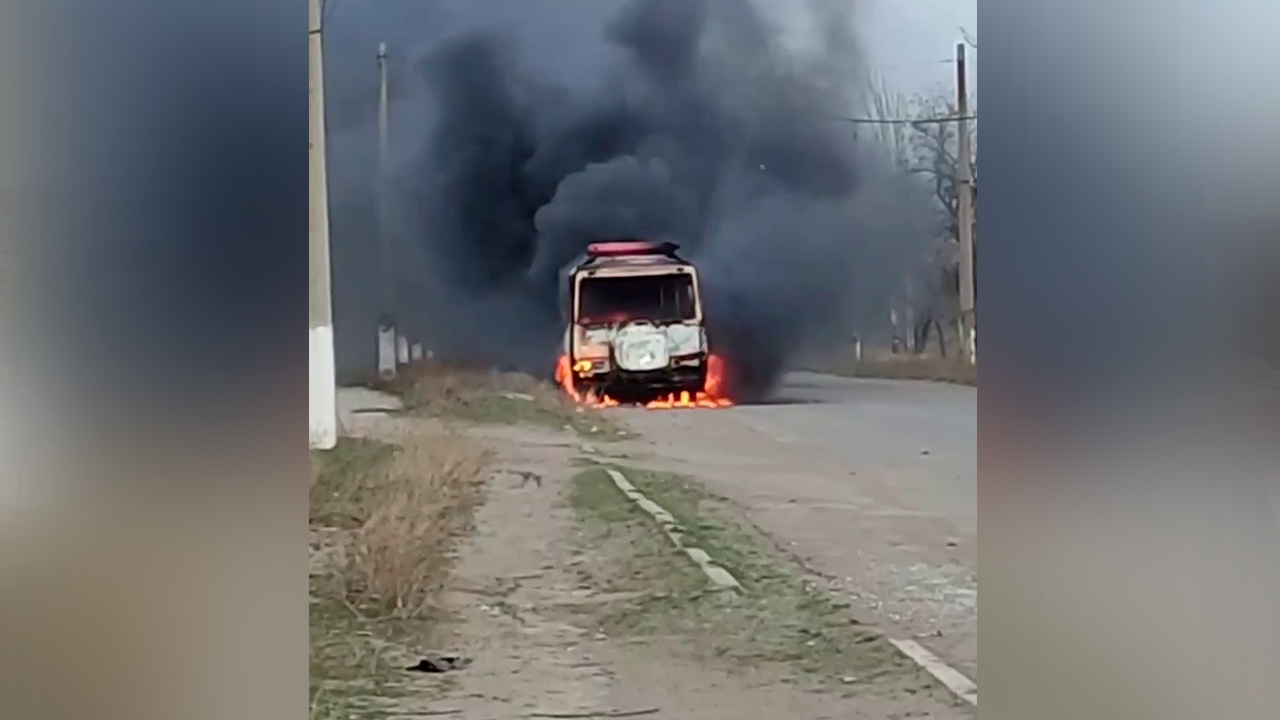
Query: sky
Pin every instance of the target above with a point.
(910, 43)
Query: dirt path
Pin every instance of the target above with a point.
(532, 596)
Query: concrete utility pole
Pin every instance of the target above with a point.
(388, 339)
(323, 416)
(964, 209)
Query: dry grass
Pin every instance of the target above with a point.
(436, 385)
(479, 395)
(400, 509)
(384, 521)
(953, 369)
(400, 556)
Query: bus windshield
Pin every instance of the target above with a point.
(659, 298)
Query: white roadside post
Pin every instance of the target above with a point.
(402, 350)
(415, 352)
(386, 349)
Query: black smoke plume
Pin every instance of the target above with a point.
(522, 135)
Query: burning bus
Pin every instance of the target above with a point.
(634, 330)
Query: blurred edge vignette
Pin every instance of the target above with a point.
(591, 284)
(642, 360)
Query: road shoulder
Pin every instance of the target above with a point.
(782, 622)
(567, 601)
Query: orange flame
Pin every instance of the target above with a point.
(564, 378)
(711, 396)
(714, 386)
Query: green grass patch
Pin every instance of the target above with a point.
(487, 397)
(356, 657)
(555, 413)
(355, 671)
(340, 479)
(779, 620)
(349, 675)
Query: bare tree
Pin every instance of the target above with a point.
(928, 149)
(895, 137)
(935, 159)
(934, 152)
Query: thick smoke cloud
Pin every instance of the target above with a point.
(693, 121)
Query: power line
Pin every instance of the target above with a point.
(905, 121)
(920, 63)
(875, 67)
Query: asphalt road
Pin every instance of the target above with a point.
(871, 483)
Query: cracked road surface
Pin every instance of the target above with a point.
(872, 484)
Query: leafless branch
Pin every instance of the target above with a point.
(929, 150)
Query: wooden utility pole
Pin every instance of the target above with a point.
(964, 208)
(323, 391)
(388, 337)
